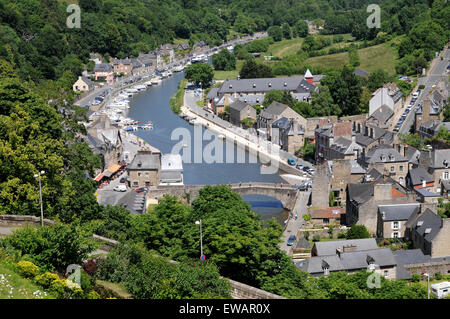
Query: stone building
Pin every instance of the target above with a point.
(104, 72)
(430, 233)
(239, 111)
(144, 170)
(388, 96)
(363, 200)
(288, 133)
(344, 172)
(274, 112)
(438, 163)
(325, 137)
(83, 84)
(392, 219)
(430, 109)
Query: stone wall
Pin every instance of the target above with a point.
(20, 220)
(442, 267)
(321, 187)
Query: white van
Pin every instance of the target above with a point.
(415, 95)
(441, 289)
(120, 188)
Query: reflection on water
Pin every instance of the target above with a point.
(267, 207)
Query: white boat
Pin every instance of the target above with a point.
(178, 68)
(193, 121)
(199, 58)
(140, 87)
(148, 83)
(169, 73)
(156, 80)
(131, 90)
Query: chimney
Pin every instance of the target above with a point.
(431, 206)
(359, 127)
(349, 248)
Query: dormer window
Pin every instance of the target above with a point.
(270, 85)
(254, 85)
(231, 86)
(285, 84)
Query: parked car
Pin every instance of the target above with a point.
(141, 190)
(291, 161)
(299, 166)
(123, 180)
(291, 240)
(120, 188)
(306, 168)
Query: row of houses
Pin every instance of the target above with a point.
(143, 64)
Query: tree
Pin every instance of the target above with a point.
(353, 56)
(199, 73)
(357, 232)
(251, 69)
(377, 79)
(275, 32)
(346, 91)
(224, 60)
(323, 103)
(286, 30)
(52, 247)
(331, 199)
(300, 29)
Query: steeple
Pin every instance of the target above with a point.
(309, 77)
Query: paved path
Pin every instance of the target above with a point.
(295, 224)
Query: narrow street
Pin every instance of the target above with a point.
(295, 224)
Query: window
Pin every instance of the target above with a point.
(395, 235)
(401, 168)
(147, 174)
(139, 174)
(445, 175)
(135, 184)
(395, 225)
(392, 168)
(326, 271)
(386, 274)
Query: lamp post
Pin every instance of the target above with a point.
(428, 278)
(199, 222)
(40, 195)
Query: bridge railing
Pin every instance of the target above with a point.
(247, 184)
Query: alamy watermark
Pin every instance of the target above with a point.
(374, 279)
(374, 19)
(73, 21)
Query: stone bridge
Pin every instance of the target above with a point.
(286, 194)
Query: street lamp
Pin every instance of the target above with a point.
(428, 278)
(199, 222)
(40, 195)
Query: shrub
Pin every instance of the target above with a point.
(341, 235)
(438, 276)
(316, 237)
(415, 278)
(421, 87)
(46, 279)
(27, 269)
(93, 295)
(306, 217)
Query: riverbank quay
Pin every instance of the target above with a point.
(268, 152)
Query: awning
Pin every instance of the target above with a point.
(107, 173)
(114, 168)
(99, 177)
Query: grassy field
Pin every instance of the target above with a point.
(376, 57)
(232, 75)
(13, 286)
(285, 47)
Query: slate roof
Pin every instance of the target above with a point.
(274, 109)
(327, 248)
(254, 99)
(446, 185)
(86, 80)
(426, 193)
(171, 162)
(103, 67)
(398, 212)
(147, 161)
(134, 202)
(440, 158)
(212, 93)
(413, 155)
(287, 127)
(356, 168)
(384, 154)
(350, 261)
(408, 257)
(361, 72)
(266, 84)
(383, 113)
(428, 221)
(362, 192)
(363, 139)
(419, 174)
(238, 105)
(302, 243)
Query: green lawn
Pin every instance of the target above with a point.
(285, 47)
(13, 286)
(232, 75)
(376, 57)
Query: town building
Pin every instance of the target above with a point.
(389, 161)
(83, 84)
(327, 215)
(429, 232)
(104, 73)
(274, 112)
(363, 199)
(344, 172)
(325, 137)
(171, 169)
(431, 108)
(392, 219)
(349, 256)
(240, 111)
(288, 134)
(361, 72)
(419, 178)
(430, 128)
(389, 96)
(438, 163)
(144, 170)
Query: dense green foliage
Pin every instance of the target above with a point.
(251, 70)
(224, 60)
(358, 231)
(199, 73)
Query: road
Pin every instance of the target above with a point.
(295, 224)
(134, 78)
(434, 74)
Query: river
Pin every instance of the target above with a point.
(153, 105)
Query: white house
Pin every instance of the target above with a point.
(389, 95)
